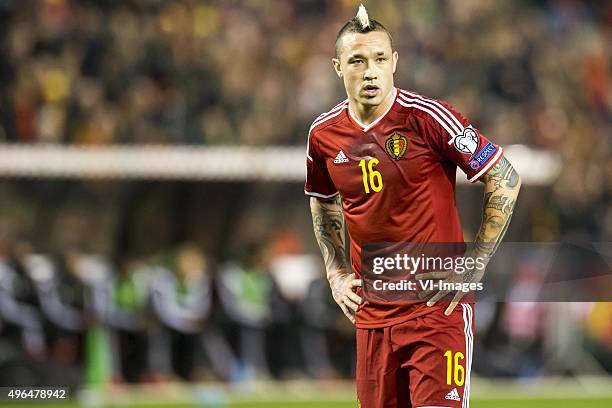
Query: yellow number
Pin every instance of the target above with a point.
(375, 176)
(459, 370)
(449, 366)
(458, 373)
(365, 175)
(371, 177)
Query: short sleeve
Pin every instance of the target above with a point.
(458, 141)
(318, 180)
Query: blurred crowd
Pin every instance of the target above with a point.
(257, 73)
(176, 315)
(267, 314)
(92, 276)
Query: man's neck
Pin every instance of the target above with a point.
(367, 114)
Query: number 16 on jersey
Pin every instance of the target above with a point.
(372, 179)
(454, 370)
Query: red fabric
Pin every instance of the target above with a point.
(417, 200)
(405, 365)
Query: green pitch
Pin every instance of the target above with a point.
(544, 403)
(585, 392)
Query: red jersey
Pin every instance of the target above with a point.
(396, 178)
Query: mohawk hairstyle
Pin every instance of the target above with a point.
(361, 23)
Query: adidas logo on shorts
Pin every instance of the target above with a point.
(453, 395)
(341, 158)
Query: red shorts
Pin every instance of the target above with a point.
(421, 363)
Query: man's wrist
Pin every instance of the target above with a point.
(335, 274)
(483, 257)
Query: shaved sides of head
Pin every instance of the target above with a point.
(362, 24)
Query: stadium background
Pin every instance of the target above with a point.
(144, 140)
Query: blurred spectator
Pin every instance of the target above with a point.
(19, 303)
(122, 306)
(304, 300)
(61, 293)
(182, 301)
(599, 333)
(245, 290)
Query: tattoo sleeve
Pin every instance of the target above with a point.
(502, 185)
(328, 223)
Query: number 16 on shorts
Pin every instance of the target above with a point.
(455, 371)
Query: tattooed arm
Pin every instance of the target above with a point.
(502, 185)
(328, 224)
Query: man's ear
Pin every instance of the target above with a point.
(336, 64)
(395, 58)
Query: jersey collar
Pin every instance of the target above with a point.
(365, 128)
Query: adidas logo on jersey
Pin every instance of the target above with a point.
(341, 158)
(453, 395)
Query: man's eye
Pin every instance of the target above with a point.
(381, 59)
(356, 62)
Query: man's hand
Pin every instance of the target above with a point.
(343, 291)
(473, 275)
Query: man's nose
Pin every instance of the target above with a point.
(370, 72)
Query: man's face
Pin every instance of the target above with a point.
(366, 64)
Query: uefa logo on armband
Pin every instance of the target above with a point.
(467, 142)
(482, 156)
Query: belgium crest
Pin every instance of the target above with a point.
(396, 146)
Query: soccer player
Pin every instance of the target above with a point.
(384, 161)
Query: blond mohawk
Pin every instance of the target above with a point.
(361, 23)
(362, 16)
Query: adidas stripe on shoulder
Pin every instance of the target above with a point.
(436, 111)
(322, 118)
